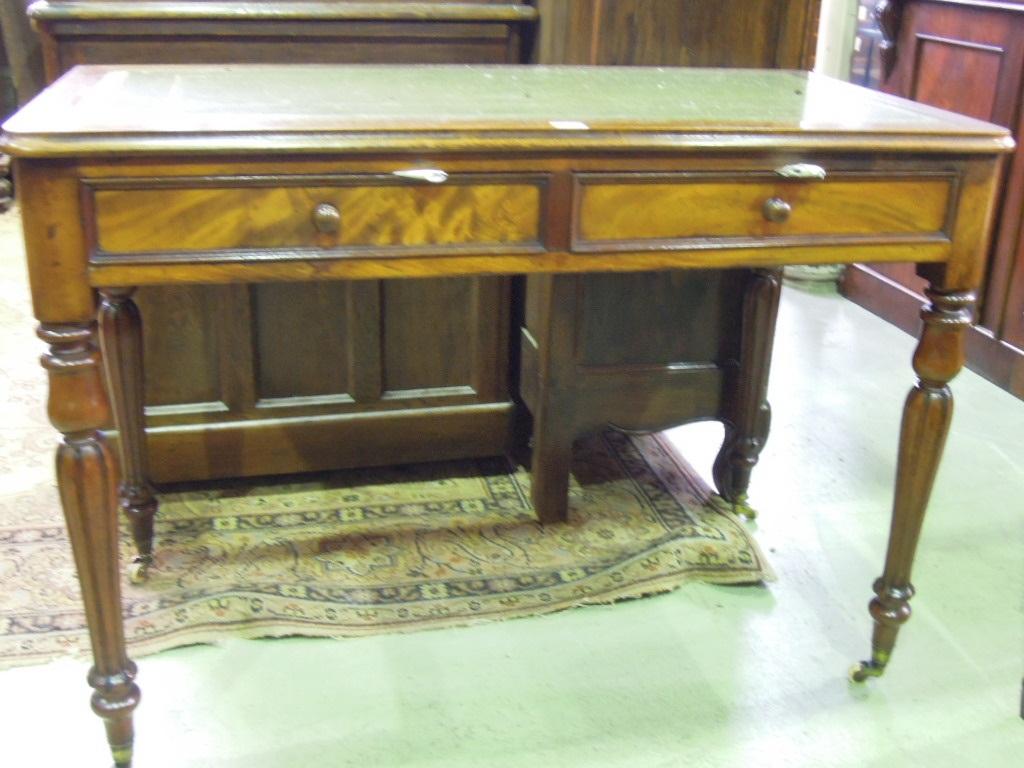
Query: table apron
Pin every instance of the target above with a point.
(243, 268)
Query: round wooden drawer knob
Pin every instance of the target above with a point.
(776, 210)
(327, 219)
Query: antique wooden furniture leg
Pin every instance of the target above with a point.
(553, 426)
(550, 469)
(749, 415)
(6, 188)
(65, 306)
(121, 339)
(926, 417)
(85, 474)
(574, 386)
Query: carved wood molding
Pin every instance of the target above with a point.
(889, 15)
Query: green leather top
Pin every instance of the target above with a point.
(304, 105)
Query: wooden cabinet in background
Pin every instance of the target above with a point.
(966, 56)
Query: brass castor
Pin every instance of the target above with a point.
(740, 507)
(863, 670)
(122, 757)
(138, 569)
(744, 510)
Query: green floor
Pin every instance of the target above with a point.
(706, 676)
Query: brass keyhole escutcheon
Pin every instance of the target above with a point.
(776, 210)
(327, 219)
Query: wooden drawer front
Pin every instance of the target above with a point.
(415, 216)
(623, 209)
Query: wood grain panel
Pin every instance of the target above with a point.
(184, 339)
(975, 67)
(155, 220)
(695, 33)
(424, 322)
(673, 210)
(643, 319)
(687, 34)
(291, 361)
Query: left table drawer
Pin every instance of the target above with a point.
(361, 213)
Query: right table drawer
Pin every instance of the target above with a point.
(662, 210)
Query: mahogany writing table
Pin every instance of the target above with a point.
(134, 176)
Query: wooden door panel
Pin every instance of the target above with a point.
(960, 57)
(958, 75)
(430, 335)
(300, 340)
(180, 334)
(650, 318)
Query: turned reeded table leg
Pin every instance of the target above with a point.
(121, 337)
(926, 417)
(749, 417)
(86, 476)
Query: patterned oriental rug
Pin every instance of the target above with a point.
(386, 550)
(346, 553)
